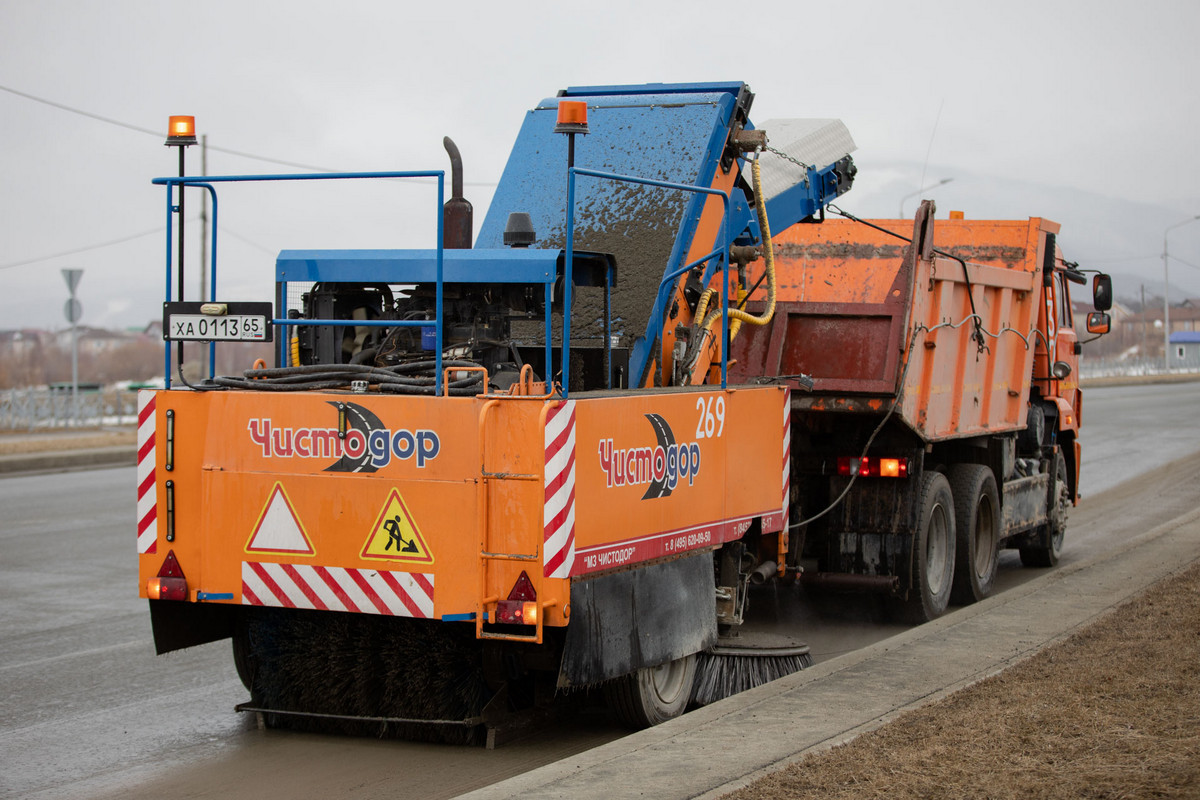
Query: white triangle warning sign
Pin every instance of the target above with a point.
(395, 536)
(278, 530)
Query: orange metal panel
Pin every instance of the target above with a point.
(719, 453)
(291, 494)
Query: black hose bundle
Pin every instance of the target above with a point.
(412, 378)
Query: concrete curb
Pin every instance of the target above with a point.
(65, 461)
(723, 747)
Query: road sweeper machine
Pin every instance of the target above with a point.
(483, 474)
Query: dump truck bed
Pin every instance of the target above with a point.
(870, 318)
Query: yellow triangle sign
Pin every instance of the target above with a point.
(395, 536)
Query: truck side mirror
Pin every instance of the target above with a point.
(1097, 323)
(1102, 292)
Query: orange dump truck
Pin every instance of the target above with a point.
(556, 458)
(942, 414)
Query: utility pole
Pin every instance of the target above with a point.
(73, 311)
(1145, 341)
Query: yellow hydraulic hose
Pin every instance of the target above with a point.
(736, 315)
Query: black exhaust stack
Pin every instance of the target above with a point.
(457, 215)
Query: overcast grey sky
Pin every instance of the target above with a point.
(1083, 112)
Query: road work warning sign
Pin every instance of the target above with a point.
(278, 530)
(395, 536)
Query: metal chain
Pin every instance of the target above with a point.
(786, 157)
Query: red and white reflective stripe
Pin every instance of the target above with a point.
(558, 514)
(147, 492)
(787, 454)
(671, 543)
(365, 591)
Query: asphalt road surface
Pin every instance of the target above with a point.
(89, 711)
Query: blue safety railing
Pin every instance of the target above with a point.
(206, 182)
(284, 323)
(661, 297)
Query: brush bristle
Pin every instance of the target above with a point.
(720, 676)
(369, 666)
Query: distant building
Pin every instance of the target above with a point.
(19, 342)
(1185, 349)
(96, 341)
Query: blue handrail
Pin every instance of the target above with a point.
(206, 182)
(660, 300)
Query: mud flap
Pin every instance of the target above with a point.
(177, 625)
(640, 618)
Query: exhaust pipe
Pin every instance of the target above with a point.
(841, 582)
(457, 214)
(764, 572)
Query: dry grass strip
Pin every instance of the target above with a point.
(80, 440)
(1111, 712)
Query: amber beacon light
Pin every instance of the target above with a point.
(572, 117)
(181, 133)
(181, 130)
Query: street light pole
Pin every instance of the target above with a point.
(920, 192)
(74, 310)
(1167, 295)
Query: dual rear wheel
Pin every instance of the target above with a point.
(932, 567)
(956, 548)
(977, 527)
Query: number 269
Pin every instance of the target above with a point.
(712, 416)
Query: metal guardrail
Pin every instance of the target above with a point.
(44, 408)
(1130, 367)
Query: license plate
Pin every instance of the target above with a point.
(250, 323)
(230, 328)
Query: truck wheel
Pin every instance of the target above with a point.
(932, 571)
(652, 695)
(977, 527)
(1029, 441)
(243, 653)
(1048, 539)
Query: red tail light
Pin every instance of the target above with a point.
(516, 612)
(520, 608)
(873, 467)
(170, 583)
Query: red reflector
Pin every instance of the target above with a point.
(523, 589)
(170, 567)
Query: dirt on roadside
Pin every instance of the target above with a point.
(1111, 712)
(12, 444)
